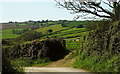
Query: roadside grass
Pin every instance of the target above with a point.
(27, 63)
(56, 27)
(98, 64)
(73, 54)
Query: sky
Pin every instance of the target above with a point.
(25, 10)
(20, 10)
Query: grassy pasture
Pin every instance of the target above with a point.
(74, 32)
(76, 23)
(53, 27)
(7, 33)
(22, 24)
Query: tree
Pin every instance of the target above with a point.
(39, 21)
(80, 26)
(50, 30)
(64, 23)
(97, 8)
(43, 21)
(47, 20)
(10, 22)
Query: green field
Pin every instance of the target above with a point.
(76, 23)
(22, 24)
(53, 27)
(7, 34)
(74, 32)
(70, 35)
(58, 31)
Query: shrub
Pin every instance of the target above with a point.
(91, 26)
(54, 49)
(50, 48)
(19, 32)
(30, 35)
(50, 30)
(100, 48)
(7, 67)
(80, 26)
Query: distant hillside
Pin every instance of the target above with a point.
(76, 23)
(16, 25)
(43, 27)
(53, 27)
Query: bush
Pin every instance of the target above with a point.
(54, 49)
(19, 32)
(91, 26)
(7, 67)
(30, 35)
(63, 25)
(101, 25)
(50, 48)
(50, 30)
(5, 42)
(80, 26)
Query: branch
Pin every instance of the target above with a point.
(86, 7)
(95, 13)
(108, 4)
(101, 8)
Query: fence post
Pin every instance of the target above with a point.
(64, 43)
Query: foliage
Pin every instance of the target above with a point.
(97, 24)
(73, 44)
(63, 25)
(100, 49)
(29, 35)
(54, 49)
(80, 26)
(91, 26)
(50, 30)
(50, 48)
(24, 62)
(7, 67)
(33, 28)
(73, 54)
(5, 42)
(18, 32)
(98, 64)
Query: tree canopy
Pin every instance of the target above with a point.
(95, 7)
